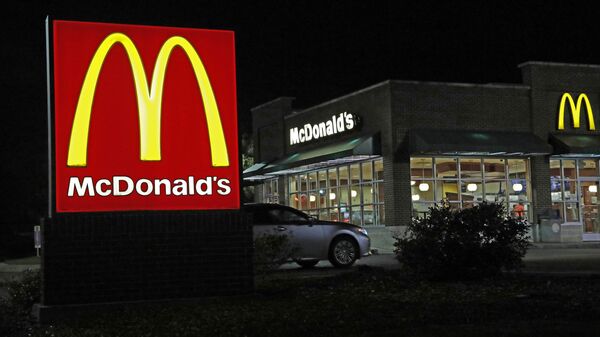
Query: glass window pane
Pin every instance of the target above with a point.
(368, 215)
(519, 210)
(518, 190)
(322, 176)
(570, 189)
(343, 175)
(367, 171)
(378, 192)
(323, 214)
(355, 174)
(312, 180)
(333, 197)
(557, 209)
(588, 168)
(494, 169)
(446, 167)
(556, 189)
(356, 216)
(303, 182)
(355, 195)
(378, 167)
(589, 199)
(421, 168)
(423, 191)
(470, 168)
(293, 183)
(469, 204)
(312, 200)
(517, 169)
(569, 169)
(471, 191)
(367, 192)
(495, 191)
(334, 214)
(572, 212)
(343, 197)
(446, 190)
(420, 209)
(268, 187)
(555, 168)
(294, 200)
(345, 214)
(323, 198)
(332, 175)
(303, 201)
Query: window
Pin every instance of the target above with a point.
(574, 189)
(351, 192)
(285, 215)
(462, 182)
(270, 193)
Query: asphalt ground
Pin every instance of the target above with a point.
(547, 260)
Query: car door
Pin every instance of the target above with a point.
(262, 222)
(305, 234)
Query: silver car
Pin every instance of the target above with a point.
(340, 243)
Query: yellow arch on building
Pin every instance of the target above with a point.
(575, 111)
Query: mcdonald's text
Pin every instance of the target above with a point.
(337, 124)
(123, 186)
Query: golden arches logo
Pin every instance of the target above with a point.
(149, 101)
(575, 111)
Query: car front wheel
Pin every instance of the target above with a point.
(343, 252)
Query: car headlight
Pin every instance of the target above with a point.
(362, 231)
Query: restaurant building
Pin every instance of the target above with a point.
(381, 155)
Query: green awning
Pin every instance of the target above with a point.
(570, 144)
(471, 142)
(353, 147)
(358, 146)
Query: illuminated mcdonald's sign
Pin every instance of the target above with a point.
(149, 100)
(575, 111)
(115, 149)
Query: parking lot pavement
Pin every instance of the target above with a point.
(565, 261)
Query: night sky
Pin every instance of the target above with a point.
(311, 50)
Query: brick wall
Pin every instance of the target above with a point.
(95, 258)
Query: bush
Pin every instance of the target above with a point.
(15, 310)
(271, 251)
(465, 244)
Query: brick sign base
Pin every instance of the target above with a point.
(128, 257)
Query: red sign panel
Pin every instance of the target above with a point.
(144, 118)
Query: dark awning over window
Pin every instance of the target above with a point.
(569, 144)
(359, 146)
(484, 143)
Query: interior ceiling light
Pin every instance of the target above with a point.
(472, 187)
(517, 187)
(593, 188)
(423, 187)
(415, 197)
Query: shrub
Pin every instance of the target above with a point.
(465, 244)
(271, 251)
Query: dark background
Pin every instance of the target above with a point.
(311, 50)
